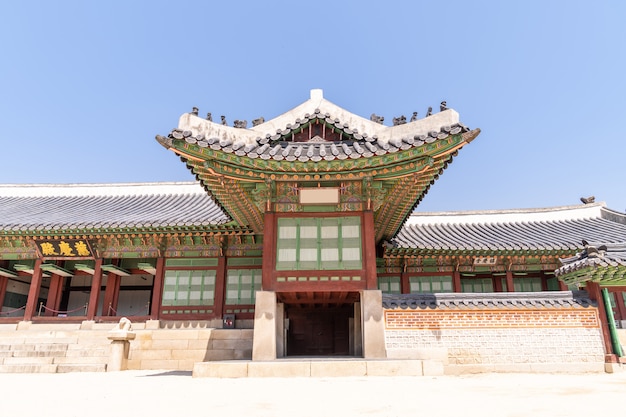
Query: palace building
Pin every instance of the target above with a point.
(299, 237)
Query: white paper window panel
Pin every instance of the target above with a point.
(331, 254)
(349, 231)
(287, 232)
(447, 285)
(330, 232)
(394, 286)
(246, 278)
(170, 280)
(308, 232)
(286, 255)
(194, 296)
(208, 295)
(184, 279)
(308, 254)
(246, 294)
(351, 254)
(232, 294)
(196, 280)
(169, 295)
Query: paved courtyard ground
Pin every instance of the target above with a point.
(154, 393)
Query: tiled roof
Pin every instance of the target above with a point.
(551, 229)
(106, 206)
(605, 263)
(279, 147)
(474, 301)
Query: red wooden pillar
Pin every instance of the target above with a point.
(33, 292)
(157, 289)
(111, 295)
(405, 284)
(94, 294)
(269, 250)
(4, 282)
(54, 295)
(595, 293)
(510, 287)
(369, 250)
(220, 286)
(619, 301)
(562, 285)
(456, 282)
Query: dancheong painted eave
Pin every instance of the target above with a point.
(524, 231)
(32, 209)
(604, 263)
(315, 142)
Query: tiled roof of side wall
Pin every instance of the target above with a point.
(98, 206)
(546, 229)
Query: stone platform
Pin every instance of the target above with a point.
(318, 367)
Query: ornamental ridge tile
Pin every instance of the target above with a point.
(474, 301)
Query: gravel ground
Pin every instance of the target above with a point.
(166, 393)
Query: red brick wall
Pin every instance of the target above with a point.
(514, 318)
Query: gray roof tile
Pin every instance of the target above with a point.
(475, 301)
(98, 206)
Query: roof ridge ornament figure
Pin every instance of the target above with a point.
(194, 111)
(378, 119)
(400, 120)
(429, 112)
(443, 106)
(209, 117)
(588, 200)
(240, 124)
(258, 121)
(414, 117)
(224, 120)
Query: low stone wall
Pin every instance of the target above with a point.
(524, 332)
(180, 348)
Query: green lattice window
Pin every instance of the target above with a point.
(476, 285)
(189, 288)
(319, 243)
(389, 285)
(430, 284)
(527, 284)
(242, 285)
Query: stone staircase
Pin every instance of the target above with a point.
(53, 351)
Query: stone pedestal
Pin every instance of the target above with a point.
(264, 341)
(373, 324)
(120, 348)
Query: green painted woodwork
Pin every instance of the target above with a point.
(242, 285)
(191, 262)
(605, 276)
(189, 287)
(319, 243)
(389, 284)
(430, 284)
(244, 261)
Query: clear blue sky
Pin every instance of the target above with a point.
(85, 86)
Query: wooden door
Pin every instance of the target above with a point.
(318, 332)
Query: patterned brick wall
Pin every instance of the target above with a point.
(499, 336)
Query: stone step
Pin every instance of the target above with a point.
(38, 353)
(80, 360)
(82, 367)
(99, 352)
(28, 368)
(26, 360)
(44, 347)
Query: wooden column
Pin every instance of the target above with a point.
(456, 282)
(405, 284)
(4, 282)
(269, 250)
(111, 295)
(595, 294)
(54, 294)
(510, 287)
(157, 289)
(220, 286)
(369, 250)
(562, 285)
(33, 292)
(619, 301)
(94, 294)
